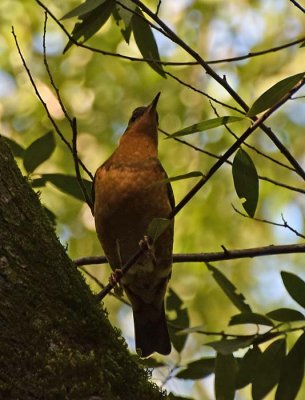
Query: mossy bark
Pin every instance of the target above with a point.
(55, 339)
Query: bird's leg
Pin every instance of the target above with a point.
(117, 274)
(147, 245)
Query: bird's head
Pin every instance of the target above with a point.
(145, 119)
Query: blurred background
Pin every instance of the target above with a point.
(101, 92)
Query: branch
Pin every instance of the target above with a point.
(209, 175)
(215, 256)
(265, 221)
(51, 119)
(298, 5)
(76, 165)
(223, 82)
(167, 63)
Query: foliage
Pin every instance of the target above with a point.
(260, 349)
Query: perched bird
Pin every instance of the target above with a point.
(127, 198)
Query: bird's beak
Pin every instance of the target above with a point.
(152, 107)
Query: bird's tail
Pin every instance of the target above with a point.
(151, 331)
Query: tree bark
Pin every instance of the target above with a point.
(56, 340)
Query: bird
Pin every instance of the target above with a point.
(130, 190)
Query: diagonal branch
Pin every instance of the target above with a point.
(223, 82)
(209, 175)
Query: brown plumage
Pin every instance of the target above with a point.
(126, 201)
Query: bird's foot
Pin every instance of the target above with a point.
(147, 245)
(115, 277)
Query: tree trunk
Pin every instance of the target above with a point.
(56, 341)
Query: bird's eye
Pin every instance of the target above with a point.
(137, 113)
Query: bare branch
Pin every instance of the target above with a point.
(265, 221)
(76, 165)
(298, 5)
(216, 256)
(223, 82)
(51, 119)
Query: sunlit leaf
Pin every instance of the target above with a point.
(181, 319)
(157, 227)
(145, 41)
(198, 369)
(292, 372)
(68, 184)
(225, 375)
(268, 369)
(228, 346)
(38, 151)
(84, 8)
(295, 286)
(91, 22)
(274, 94)
(17, 149)
(286, 315)
(247, 366)
(205, 125)
(250, 318)
(229, 289)
(245, 181)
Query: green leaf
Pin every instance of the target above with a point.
(124, 13)
(245, 181)
(205, 125)
(68, 184)
(181, 319)
(157, 227)
(91, 22)
(303, 44)
(247, 366)
(145, 41)
(286, 315)
(84, 8)
(295, 286)
(229, 289)
(38, 152)
(274, 94)
(225, 376)
(17, 149)
(198, 369)
(292, 372)
(268, 369)
(228, 346)
(250, 318)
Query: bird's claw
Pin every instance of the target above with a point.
(115, 277)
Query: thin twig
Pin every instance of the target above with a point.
(253, 147)
(51, 119)
(223, 82)
(203, 93)
(158, 7)
(76, 165)
(167, 63)
(212, 155)
(46, 64)
(265, 221)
